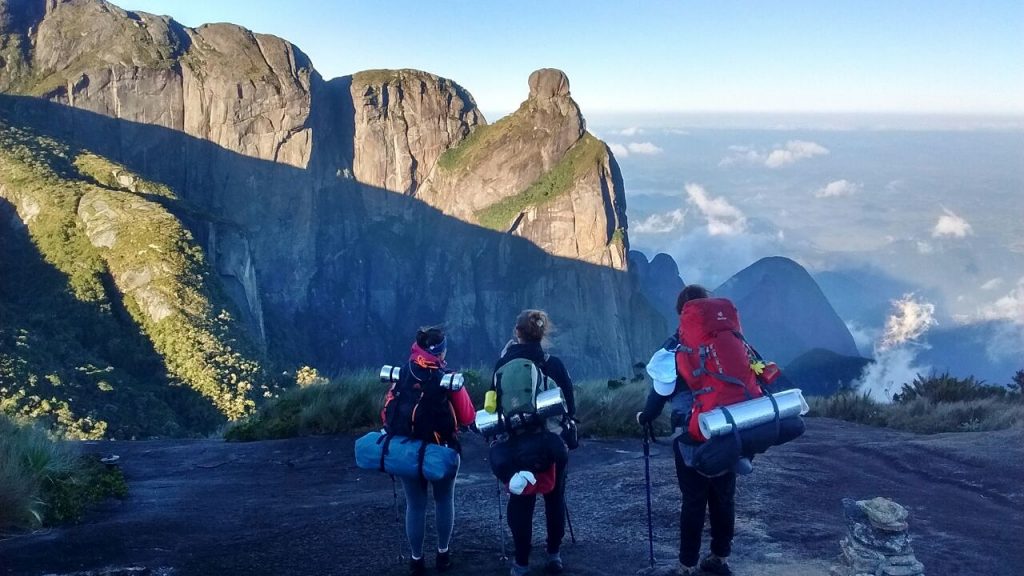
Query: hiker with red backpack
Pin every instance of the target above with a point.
(530, 330)
(693, 389)
(420, 407)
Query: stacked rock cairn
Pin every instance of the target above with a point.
(877, 542)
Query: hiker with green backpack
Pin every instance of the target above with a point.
(523, 372)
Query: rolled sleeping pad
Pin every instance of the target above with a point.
(550, 403)
(400, 456)
(752, 413)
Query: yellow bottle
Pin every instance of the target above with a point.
(491, 401)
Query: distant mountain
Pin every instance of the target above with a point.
(821, 372)
(659, 282)
(862, 295)
(784, 313)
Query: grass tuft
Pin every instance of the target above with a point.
(43, 482)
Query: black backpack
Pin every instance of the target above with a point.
(420, 409)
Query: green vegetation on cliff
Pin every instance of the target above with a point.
(112, 320)
(577, 162)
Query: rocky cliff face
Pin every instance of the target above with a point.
(660, 283)
(404, 120)
(538, 174)
(298, 189)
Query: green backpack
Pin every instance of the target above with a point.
(517, 384)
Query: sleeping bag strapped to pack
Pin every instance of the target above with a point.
(406, 457)
(713, 357)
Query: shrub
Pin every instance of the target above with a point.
(850, 406)
(348, 403)
(43, 482)
(922, 413)
(604, 410)
(946, 388)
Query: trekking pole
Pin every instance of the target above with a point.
(648, 433)
(394, 496)
(501, 524)
(568, 520)
(565, 506)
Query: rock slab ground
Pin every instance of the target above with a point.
(301, 507)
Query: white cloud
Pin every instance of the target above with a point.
(924, 247)
(631, 131)
(908, 322)
(992, 284)
(896, 355)
(723, 218)
(891, 369)
(950, 224)
(1009, 307)
(793, 151)
(644, 148)
(838, 188)
(618, 150)
(661, 223)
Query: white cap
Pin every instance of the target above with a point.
(662, 370)
(520, 480)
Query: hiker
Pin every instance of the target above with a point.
(700, 494)
(438, 414)
(530, 330)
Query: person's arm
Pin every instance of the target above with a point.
(556, 370)
(652, 409)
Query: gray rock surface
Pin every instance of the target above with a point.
(296, 507)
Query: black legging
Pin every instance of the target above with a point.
(520, 518)
(701, 495)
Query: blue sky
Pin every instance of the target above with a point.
(913, 56)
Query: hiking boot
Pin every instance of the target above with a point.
(518, 570)
(683, 570)
(417, 567)
(716, 565)
(444, 561)
(554, 565)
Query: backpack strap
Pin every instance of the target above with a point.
(701, 370)
(386, 440)
(419, 457)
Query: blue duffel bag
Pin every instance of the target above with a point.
(406, 457)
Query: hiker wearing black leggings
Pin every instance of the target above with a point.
(703, 496)
(531, 327)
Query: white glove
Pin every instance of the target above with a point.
(520, 480)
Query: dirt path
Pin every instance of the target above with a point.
(300, 507)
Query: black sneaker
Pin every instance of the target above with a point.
(417, 567)
(716, 565)
(444, 561)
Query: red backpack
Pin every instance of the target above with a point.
(713, 358)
